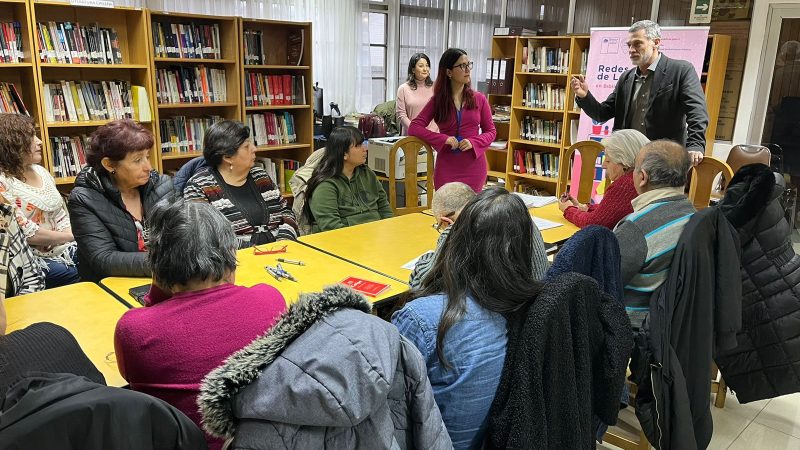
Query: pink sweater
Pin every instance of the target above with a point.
(410, 102)
(166, 349)
(476, 125)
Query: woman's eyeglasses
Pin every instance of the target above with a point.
(465, 66)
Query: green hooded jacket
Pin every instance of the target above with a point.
(338, 202)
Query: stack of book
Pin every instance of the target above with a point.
(536, 163)
(191, 84)
(77, 101)
(544, 95)
(194, 41)
(272, 128)
(262, 89)
(69, 154)
(184, 134)
(11, 100)
(540, 130)
(71, 43)
(538, 58)
(11, 42)
(253, 47)
(502, 113)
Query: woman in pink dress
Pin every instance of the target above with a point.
(464, 118)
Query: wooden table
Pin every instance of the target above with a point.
(383, 246)
(86, 310)
(320, 270)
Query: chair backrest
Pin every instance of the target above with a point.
(742, 155)
(411, 147)
(702, 182)
(589, 150)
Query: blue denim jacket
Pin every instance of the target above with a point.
(475, 347)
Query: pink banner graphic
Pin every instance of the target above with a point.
(608, 60)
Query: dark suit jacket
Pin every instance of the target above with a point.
(676, 100)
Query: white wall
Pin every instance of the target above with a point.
(757, 57)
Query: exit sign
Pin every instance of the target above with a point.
(700, 11)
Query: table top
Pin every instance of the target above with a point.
(384, 245)
(320, 270)
(86, 310)
(558, 234)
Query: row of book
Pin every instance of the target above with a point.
(499, 75)
(538, 58)
(184, 134)
(71, 43)
(541, 130)
(279, 170)
(262, 89)
(11, 42)
(69, 154)
(11, 100)
(76, 101)
(191, 84)
(544, 95)
(536, 163)
(272, 128)
(179, 40)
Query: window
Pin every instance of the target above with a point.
(377, 54)
(421, 31)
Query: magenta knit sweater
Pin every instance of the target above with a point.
(166, 349)
(476, 125)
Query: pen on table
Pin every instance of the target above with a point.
(291, 261)
(272, 272)
(282, 272)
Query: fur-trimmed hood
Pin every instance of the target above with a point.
(750, 191)
(326, 362)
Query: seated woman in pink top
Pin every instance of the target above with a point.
(195, 316)
(621, 149)
(464, 118)
(414, 94)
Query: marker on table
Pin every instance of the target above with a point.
(272, 272)
(291, 261)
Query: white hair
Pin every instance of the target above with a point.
(651, 29)
(623, 146)
(450, 199)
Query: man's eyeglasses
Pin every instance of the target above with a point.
(465, 66)
(444, 222)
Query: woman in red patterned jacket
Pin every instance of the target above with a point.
(621, 149)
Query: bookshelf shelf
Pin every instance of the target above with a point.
(180, 155)
(93, 66)
(85, 123)
(574, 113)
(274, 107)
(197, 105)
(530, 176)
(542, 74)
(536, 143)
(496, 174)
(500, 95)
(65, 180)
(275, 67)
(195, 60)
(15, 65)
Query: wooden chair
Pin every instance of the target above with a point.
(702, 182)
(589, 150)
(411, 148)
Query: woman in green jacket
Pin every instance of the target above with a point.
(343, 191)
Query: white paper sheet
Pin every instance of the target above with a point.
(410, 265)
(535, 201)
(544, 224)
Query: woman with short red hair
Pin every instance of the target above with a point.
(111, 200)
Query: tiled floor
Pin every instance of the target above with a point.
(767, 424)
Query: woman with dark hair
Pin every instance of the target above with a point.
(482, 273)
(343, 191)
(195, 316)
(111, 199)
(43, 214)
(465, 123)
(415, 93)
(239, 189)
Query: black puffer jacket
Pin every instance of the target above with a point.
(105, 231)
(766, 361)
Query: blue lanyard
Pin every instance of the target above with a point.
(458, 125)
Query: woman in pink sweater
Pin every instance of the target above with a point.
(465, 124)
(414, 94)
(195, 317)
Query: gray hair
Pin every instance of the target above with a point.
(189, 241)
(451, 198)
(666, 162)
(623, 146)
(651, 29)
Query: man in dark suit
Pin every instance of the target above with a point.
(661, 97)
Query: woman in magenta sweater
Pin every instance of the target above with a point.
(464, 118)
(195, 317)
(621, 149)
(415, 93)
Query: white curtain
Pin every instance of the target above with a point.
(421, 31)
(341, 68)
(472, 24)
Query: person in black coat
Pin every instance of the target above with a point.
(111, 199)
(764, 364)
(661, 96)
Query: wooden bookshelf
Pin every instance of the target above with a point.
(130, 24)
(228, 60)
(274, 34)
(502, 47)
